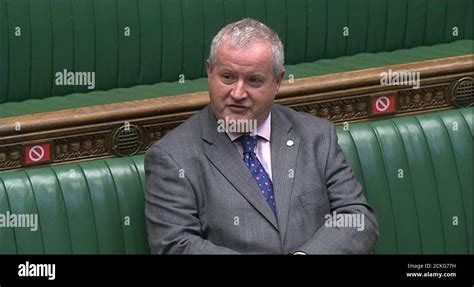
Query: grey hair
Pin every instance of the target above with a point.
(245, 32)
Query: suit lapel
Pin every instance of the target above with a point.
(223, 155)
(284, 149)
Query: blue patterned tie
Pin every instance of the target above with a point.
(256, 169)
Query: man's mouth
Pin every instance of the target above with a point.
(238, 108)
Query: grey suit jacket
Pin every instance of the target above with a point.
(202, 199)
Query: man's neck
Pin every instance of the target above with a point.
(263, 130)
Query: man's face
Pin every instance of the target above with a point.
(241, 83)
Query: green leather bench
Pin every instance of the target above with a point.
(141, 49)
(416, 172)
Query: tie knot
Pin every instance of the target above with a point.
(248, 143)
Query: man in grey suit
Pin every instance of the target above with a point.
(282, 188)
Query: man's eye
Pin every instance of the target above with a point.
(227, 78)
(255, 81)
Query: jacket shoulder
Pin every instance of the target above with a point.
(181, 137)
(302, 120)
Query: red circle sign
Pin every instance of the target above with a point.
(382, 104)
(36, 153)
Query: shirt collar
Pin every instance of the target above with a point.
(264, 130)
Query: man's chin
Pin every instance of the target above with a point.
(235, 117)
(239, 124)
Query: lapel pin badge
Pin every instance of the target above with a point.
(290, 143)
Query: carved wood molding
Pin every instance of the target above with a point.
(131, 127)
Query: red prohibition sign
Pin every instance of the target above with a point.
(36, 153)
(382, 104)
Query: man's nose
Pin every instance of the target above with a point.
(239, 91)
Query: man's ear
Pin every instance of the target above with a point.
(279, 78)
(208, 68)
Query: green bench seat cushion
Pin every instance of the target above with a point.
(321, 67)
(416, 172)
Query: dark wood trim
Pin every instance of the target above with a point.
(86, 133)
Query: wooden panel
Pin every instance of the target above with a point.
(93, 132)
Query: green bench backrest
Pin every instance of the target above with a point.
(131, 42)
(416, 172)
(91, 207)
